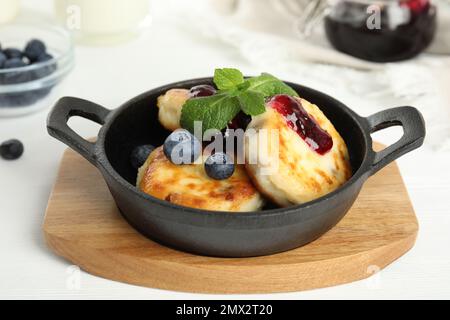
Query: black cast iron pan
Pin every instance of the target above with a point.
(219, 233)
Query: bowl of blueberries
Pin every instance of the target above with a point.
(34, 59)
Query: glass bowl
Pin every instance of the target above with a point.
(34, 87)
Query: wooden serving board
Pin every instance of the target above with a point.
(83, 225)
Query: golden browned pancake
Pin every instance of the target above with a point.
(170, 105)
(290, 172)
(189, 186)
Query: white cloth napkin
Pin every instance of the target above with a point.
(265, 36)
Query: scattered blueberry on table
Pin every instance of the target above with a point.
(11, 149)
(35, 52)
(182, 147)
(219, 166)
(140, 154)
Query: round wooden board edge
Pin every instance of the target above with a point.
(216, 279)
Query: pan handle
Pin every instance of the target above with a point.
(58, 128)
(414, 133)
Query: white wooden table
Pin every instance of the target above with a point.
(29, 270)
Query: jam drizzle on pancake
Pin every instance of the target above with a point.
(301, 122)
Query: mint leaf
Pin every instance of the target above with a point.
(243, 86)
(236, 91)
(252, 103)
(269, 86)
(234, 94)
(214, 112)
(228, 78)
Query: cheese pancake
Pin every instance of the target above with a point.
(190, 186)
(291, 172)
(170, 105)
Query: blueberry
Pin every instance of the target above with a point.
(219, 166)
(34, 49)
(40, 93)
(140, 154)
(11, 149)
(21, 99)
(3, 59)
(44, 57)
(46, 70)
(14, 63)
(13, 53)
(15, 77)
(181, 147)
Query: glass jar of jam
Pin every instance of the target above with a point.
(381, 30)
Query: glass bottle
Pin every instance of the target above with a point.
(101, 22)
(8, 10)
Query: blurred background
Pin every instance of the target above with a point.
(371, 55)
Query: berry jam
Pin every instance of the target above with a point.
(301, 122)
(416, 6)
(395, 31)
(241, 121)
(202, 91)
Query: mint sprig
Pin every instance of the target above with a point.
(235, 94)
